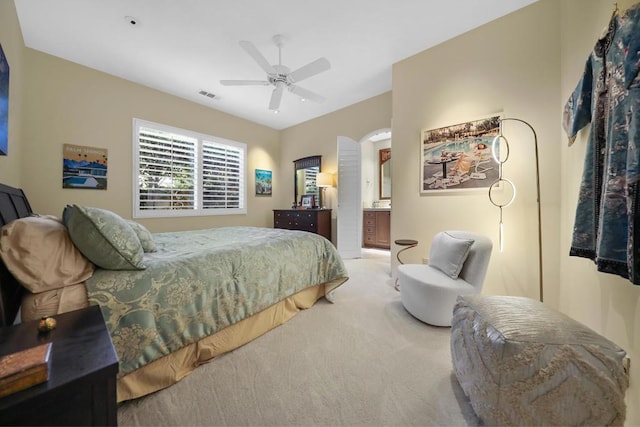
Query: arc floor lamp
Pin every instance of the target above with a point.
(501, 159)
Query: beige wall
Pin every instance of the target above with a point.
(13, 47)
(69, 103)
(605, 302)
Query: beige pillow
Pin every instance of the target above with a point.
(55, 301)
(39, 253)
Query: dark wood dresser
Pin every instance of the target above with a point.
(313, 220)
(81, 389)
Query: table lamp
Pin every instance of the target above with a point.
(323, 180)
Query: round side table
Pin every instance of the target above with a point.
(408, 244)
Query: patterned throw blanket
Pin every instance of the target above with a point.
(201, 281)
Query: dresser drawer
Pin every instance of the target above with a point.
(369, 219)
(282, 219)
(306, 220)
(369, 239)
(311, 227)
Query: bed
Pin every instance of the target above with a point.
(171, 301)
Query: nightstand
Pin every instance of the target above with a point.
(81, 389)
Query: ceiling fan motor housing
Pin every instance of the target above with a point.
(280, 76)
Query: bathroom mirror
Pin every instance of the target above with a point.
(305, 172)
(385, 173)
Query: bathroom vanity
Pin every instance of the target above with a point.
(376, 231)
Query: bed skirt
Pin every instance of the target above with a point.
(170, 369)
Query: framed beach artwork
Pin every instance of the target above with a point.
(4, 104)
(84, 167)
(460, 156)
(263, 182)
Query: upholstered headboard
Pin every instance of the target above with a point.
(13, 205)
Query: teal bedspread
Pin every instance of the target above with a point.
(204, 280)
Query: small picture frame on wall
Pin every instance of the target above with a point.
(263, 182)
(307, 201)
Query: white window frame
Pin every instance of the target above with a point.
(198, 168)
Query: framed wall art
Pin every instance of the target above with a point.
(263, 182)
(460, 156)
(84, 167)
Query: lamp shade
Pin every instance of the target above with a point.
(324, 179)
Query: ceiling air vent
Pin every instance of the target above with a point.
(207, 94)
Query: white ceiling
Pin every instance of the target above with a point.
(184, 46)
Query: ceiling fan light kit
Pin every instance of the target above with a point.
(280, 76)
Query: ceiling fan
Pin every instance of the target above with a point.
(280, 76)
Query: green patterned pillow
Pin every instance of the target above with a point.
(146, 239)
(104, 238)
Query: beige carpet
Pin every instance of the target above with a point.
(363, 361)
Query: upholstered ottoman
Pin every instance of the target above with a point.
(522, 363)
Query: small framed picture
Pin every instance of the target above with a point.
(263, 182)
(307, 201)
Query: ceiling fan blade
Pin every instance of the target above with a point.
(257, 56)
(276, 97)
(244, 82)
(311, 69)
(306, 94)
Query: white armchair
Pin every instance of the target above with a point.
(458, 262)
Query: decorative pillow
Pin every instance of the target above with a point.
(104, 237)
(55, 301)
(144, 235)
(449, 253)
(39, 253)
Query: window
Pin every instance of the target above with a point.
(182, 173)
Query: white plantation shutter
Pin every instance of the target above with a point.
(166, 170)
(179, 172)
(222, 180)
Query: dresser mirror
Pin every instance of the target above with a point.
(385, 173)
(305, 173)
